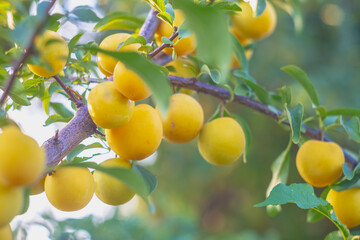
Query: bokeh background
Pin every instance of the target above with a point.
(195, 200)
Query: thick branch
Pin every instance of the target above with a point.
(150, 25)
(78, 129)
(192, 83)
(28, 50)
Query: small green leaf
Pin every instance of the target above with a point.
(166, 17)
(56, 118)
(280, 169)
(313, 216)
(149, 178)
(305, 82)
(346, 112)
(134, 38)
(295, 116)
(85, 14)
(336, 235)
(17, 92)
(170, 10)
(61, 110)
(166, 40)
(24, 29)
(73, 41)
(118, 20)
(128, 176)
(285, 92)
(227, 6)
(247, 131)
(352, 127)
(26, 192)
(301, 194)
(240, 55)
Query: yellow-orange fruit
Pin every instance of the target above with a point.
(109, 189)
(53, 53)
(22, 159)
(183, 120)
(69, 188)
(11, 203)
(221, 141)
(5, 232)
(107, 107)
(320, 163)
(346, 206)
(185, 45)
(248, 25)
(107, 63)
(130, 84)
(140, 137)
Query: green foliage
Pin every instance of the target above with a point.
(295, 116)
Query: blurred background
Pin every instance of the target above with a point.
(195, 200)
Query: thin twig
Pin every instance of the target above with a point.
(165, 45)
(225, 94)
(73, 97)
(28, 50)
(99, 133)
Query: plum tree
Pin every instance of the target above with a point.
(182, 46)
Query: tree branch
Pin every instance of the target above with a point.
(75, 99)
(78, 129)
(164, 45)
(28, 50)
(192, 83)
(150, 25)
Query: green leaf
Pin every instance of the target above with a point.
(346, 112)
(301, 194)
(118, 20)
(149, 178)
(170, 10)
(61, 110)
(336, 235)
(128, 176)
(260, 7)
(295, 116)
(294, 9)
(158, 5)
(166, 17)
(313, 216)
(85, 14)
(215, 48)
(227, 6)
(285, 92)
(149, 72)
(17, 92)
(80, 148)
(305, 82)
(247, 131)
(259, 91)
(240, 55)
(73, 41)
(134, 38)
(280, 169)
(56, 118)
(24, 29)
(166, 40)
(352, 127)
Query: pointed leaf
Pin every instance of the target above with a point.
(149, 178)
(346, 112)
(305, 82)
(352, 127)
(295, 116)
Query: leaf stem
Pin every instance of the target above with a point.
(74, 96)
